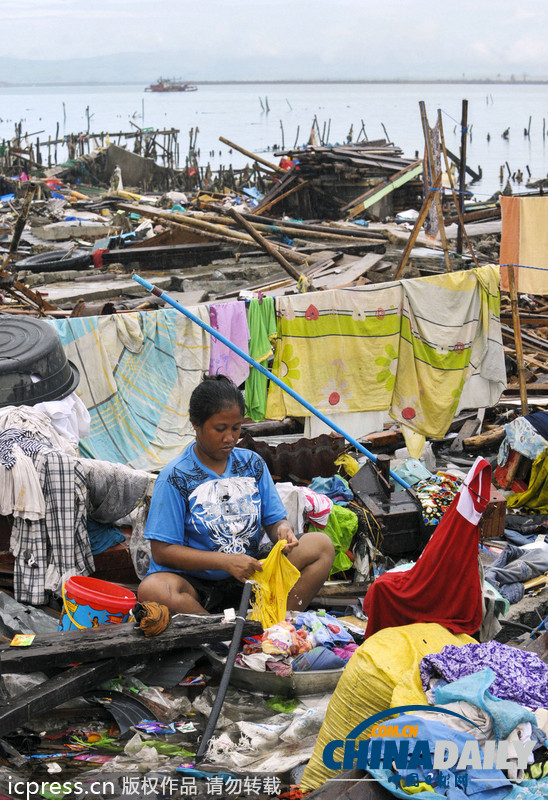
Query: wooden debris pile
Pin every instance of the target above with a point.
(345, 180)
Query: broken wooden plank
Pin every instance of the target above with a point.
(379, 191)
(490, 438)
(260, 160)
(51, 693)
(60, 650)
(470, 428)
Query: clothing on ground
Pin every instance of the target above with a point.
(514, 566)
(382, 673)
(520, 676)
(535, 497)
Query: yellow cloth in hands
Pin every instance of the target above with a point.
(272, 585)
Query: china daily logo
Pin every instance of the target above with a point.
(396, 746)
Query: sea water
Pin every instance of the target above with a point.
(239, 113)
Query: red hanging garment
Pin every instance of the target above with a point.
(444, 585)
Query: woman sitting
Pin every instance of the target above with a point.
(206, 514)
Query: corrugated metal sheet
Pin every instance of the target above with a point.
(299, 461)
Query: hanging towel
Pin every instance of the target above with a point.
(524, 240)
(230, 320)
(261, 318)
(444, 585)
(272, 585)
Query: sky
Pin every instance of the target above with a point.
(308, 39)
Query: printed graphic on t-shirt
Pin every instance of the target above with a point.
(229, 509)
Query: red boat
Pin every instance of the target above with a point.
(171, 85)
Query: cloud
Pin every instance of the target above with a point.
(245, 38)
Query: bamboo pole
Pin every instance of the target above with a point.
(458, 205)
(462, 171)
(517, 339)
(303, 285)
(267, 206)
(249, 154)
(208, 229)
(416, 230)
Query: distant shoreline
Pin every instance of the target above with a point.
(289, 82)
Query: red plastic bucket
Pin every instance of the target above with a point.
(89, 602)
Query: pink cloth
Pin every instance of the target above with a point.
(230, 319)
(318, 507)
(346, 651)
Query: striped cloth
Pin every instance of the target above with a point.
(137, 372)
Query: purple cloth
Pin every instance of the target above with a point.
(230, 319)
(520, 676)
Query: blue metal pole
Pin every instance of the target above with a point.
(160, 293)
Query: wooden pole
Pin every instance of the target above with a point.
(462, 171)
(418, 225)
(517, 340)
(456, 200)
(248, 153)
(431, 174)
(267, 247)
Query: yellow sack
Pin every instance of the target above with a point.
(272, 585)
(382, 673)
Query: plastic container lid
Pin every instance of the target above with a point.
(33, 364)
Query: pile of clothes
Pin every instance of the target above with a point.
(303, 642)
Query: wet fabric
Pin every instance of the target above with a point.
(137, 372)
(261, 319)
(389, 347)
(317, 506)
(103, 535)
(324, 629)
(229, 319)
(272, 585)
(49, 550)
(535, 497)
(520, 676)
(444, 585)
(519, 539)
(114, 490)
(513, 567)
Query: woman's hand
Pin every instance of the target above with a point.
(242, 567)
(283, 530)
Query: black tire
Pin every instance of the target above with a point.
(54, 261)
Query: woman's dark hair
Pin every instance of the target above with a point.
(214, 393)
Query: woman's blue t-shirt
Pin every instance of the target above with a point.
(193, 506)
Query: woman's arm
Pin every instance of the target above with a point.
(181, 557)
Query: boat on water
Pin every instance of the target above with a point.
(171, 85)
